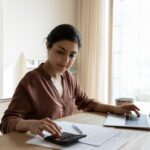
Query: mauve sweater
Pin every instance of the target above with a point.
(36, 98)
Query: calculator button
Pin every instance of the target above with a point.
(66, 138)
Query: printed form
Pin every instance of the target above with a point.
(98, 138)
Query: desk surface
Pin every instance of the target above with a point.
(16, 141)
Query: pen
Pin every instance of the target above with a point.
(77, 129)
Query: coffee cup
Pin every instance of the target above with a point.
(123, 101)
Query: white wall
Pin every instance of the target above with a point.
(1, 49)
(26, 24)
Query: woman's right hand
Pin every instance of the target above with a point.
(37, 126)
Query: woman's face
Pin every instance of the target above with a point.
(62, 55)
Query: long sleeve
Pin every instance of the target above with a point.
(81, 99)
(36, 98)
(19, 108)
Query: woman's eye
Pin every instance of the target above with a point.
(72, 55)
(60, 52)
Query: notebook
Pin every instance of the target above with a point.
(132, 121)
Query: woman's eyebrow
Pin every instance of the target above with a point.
(65, 49)
(62, 48)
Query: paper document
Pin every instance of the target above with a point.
(97, 137)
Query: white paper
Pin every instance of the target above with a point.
(113, 144)
(114, 120)
(97, 137)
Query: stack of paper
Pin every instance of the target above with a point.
(98, 138)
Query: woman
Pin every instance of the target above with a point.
(51, 91)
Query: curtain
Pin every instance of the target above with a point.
(92, 61)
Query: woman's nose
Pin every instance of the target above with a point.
(67, 59)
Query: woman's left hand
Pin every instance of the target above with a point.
(126, 109)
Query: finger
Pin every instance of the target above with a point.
(125, 110)
(131, 108)
(128, 113)
(50, 128)
(135, 107)
(55, 125)
(58, 132)
(36, 131)
(41, 134)
(137, 112)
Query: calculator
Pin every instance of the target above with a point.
(65, 139)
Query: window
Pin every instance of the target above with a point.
(131, 49)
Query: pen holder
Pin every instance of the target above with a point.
(123, 101)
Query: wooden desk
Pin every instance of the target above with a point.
(16, 141)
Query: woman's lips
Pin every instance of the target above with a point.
(63, 66)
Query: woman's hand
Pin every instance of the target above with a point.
(37, 126)
(127, 109)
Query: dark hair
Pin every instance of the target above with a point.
(63, 32)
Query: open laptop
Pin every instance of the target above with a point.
(126, 121)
